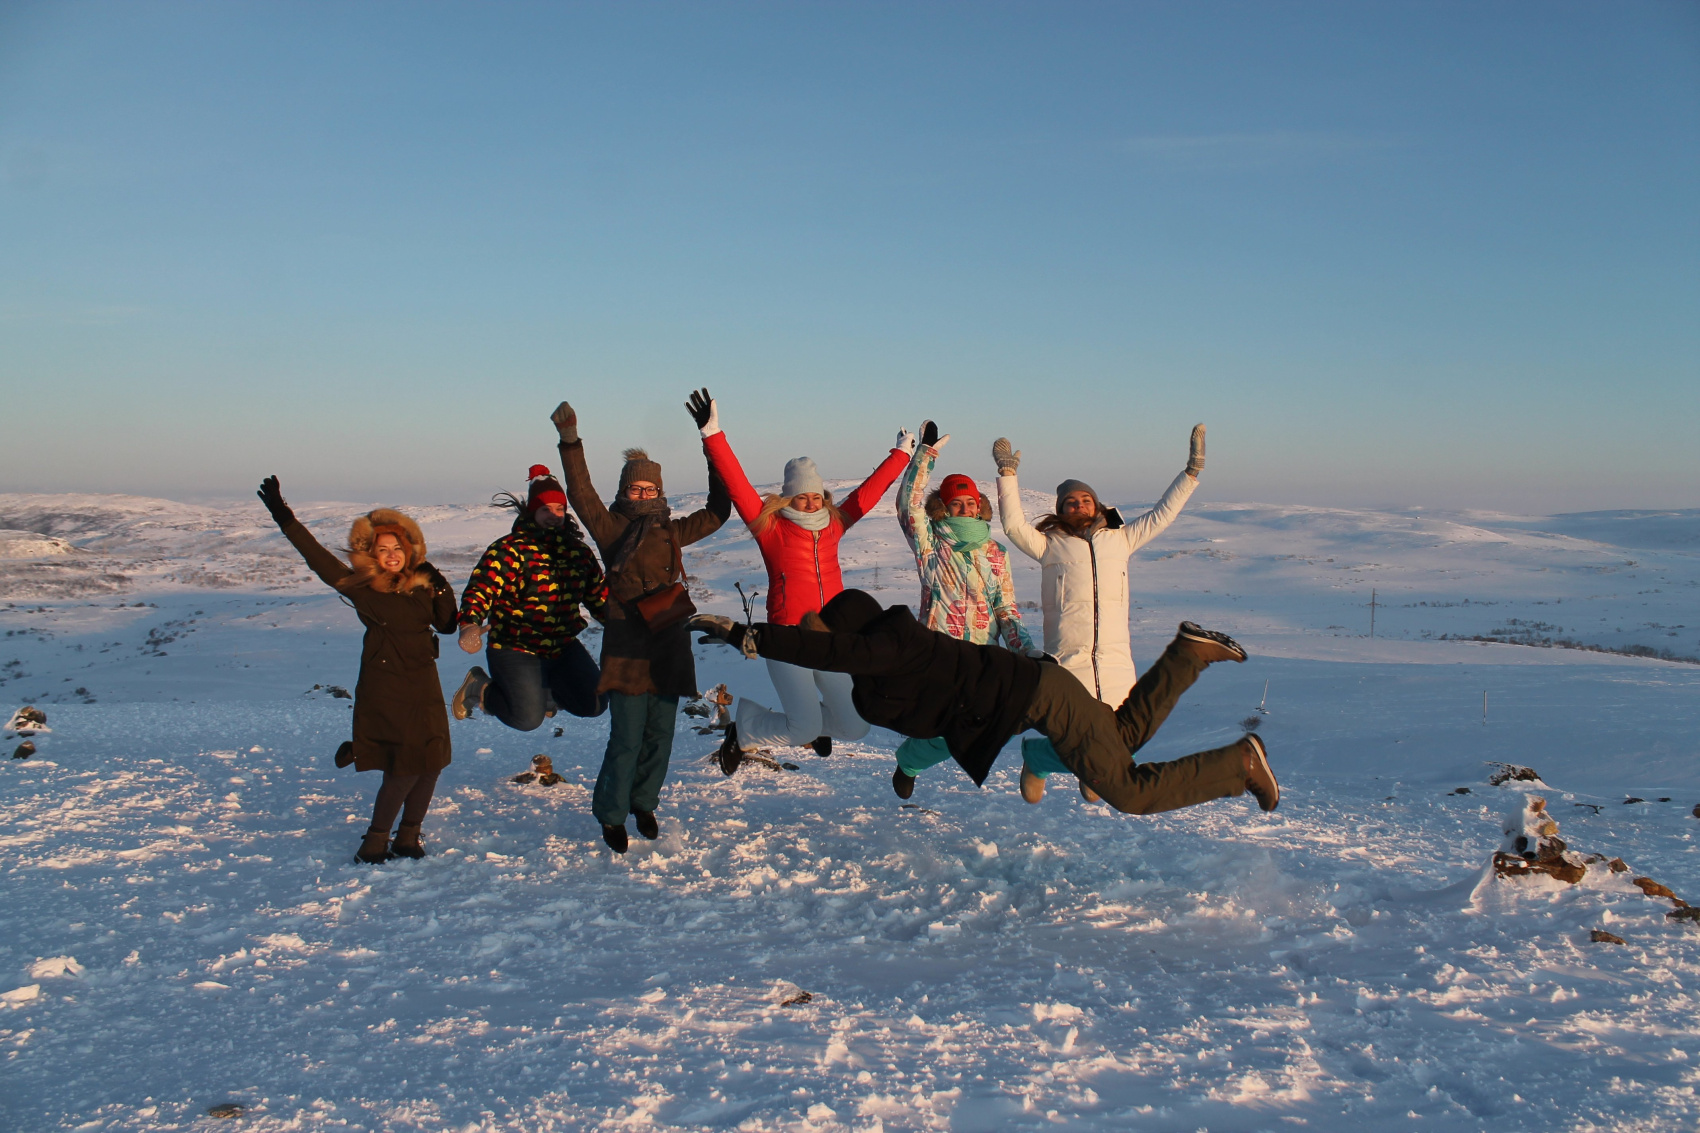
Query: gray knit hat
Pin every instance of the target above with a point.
(1068, 486)
(800, 477)
(638, 466)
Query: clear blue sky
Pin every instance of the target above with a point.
(1394, 254)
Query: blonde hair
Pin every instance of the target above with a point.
(773, 502)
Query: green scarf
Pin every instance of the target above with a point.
(966, 532)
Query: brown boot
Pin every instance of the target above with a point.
(374, 848)
(470, 694)
(407, 843)
(1089, 794)
(1259, 778)
(1207, 645)
(1032, 786)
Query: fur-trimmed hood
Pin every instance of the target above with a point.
(365, 532)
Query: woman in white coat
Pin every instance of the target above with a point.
(1082, 549)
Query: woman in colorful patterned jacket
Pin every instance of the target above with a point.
(529, 586)
(966, 589)
(798, 530)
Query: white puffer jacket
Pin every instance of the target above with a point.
(1084, 585)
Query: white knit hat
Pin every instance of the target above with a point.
(801, 477)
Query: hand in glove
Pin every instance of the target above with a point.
(719, 626)
(1007, 461)
(704, 411)
(1195, 460)
(930, 436)
(566, 423)
(272, 496)
(905, 442)
(471, 638)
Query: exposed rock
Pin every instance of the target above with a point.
(1653, 889)
(1618, 865)
(797, 1000)
(1601, 936)
(1512, 772)
(1686, 913)
(28, 720)
(542, 772)
(1533, 846)
(24, 750)
(227, 1110)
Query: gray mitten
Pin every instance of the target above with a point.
(1008, 461)
(1195, 461)
(566, 423)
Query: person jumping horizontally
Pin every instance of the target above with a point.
(922, 683)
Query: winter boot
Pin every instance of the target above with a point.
(345, 753)
(731, 755)
(646, 825)
(1032, 786)
(374, 848)
(615, 836)
(903, 783)
(407, 843)
(822, 746)
(1089, 794)
(1208, 645)
(470, 694)
(549, 706)
(1260, 779)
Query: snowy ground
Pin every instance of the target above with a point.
(183, 926)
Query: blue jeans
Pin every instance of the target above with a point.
(521, 684)
(640, 741)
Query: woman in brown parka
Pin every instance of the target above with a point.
(643, 673)
(401, 726)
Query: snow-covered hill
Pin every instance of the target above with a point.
(183, 927)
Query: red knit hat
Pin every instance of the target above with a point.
(956, 484)
(545, 489)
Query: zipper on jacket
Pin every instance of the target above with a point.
(820, 584)
(1097, 679)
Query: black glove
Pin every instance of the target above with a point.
(929, 433)
(700, 406)
(272, 496)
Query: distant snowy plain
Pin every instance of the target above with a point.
(184, 926)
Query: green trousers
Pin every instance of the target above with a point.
(640, 742)
(1097, 743)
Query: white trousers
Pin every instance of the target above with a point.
(815, 704)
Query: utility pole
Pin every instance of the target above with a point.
(1372, 611)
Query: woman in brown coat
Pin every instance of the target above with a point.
(400, 724)
(643, 673)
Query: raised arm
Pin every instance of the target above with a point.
(724, 462)
(706, 520)
(1028, 541)
(330, 569)
(1148, 526)
(866, 496)
(581, 493)
(912, 491)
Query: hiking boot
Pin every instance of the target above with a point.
(374, 848)
(730, 755)
(1089, 794)
(470, 694)
(822, 746)
(1032, 786)
(646, 825)
(1259, 778)
(1209, 646)
(549, 706)
(345, 753)
(615, 836)
(407, 843)
(903, 783)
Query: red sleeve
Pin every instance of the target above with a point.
(722, 460)
(862, 500)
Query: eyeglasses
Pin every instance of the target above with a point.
(637, 493)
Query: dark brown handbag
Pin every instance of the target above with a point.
(670, 605)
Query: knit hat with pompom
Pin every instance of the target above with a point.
(640, 467)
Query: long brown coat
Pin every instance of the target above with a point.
(635, 661)
(400, 723)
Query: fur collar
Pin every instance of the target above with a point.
(363, 534)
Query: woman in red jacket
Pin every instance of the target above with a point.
(798, 531)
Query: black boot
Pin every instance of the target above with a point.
(646, 825)
(902, 783)
(345, 753)
(615, 836)
(374, 848)
(822, 746)
(731, 755)
(1208, 645)
(407, 843)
